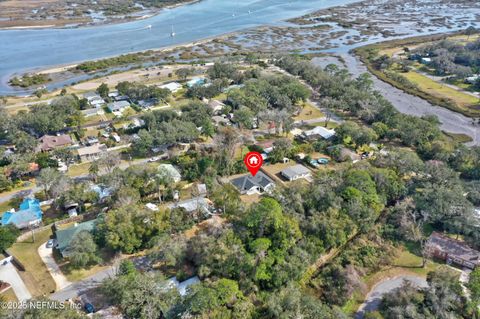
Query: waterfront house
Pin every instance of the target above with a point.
(118, 107)
(174, 87)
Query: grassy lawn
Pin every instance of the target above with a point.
(250, 199)
(308, 112)
(9, 295)
(78, 169)
(73, 274)
(330, 125)
(439, 90)
(459, 138)
(36, 277)
(406, 263)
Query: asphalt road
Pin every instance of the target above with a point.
(78, 288)
(374, 297)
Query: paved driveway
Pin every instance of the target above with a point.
(374, 297)
(47, 256)
(8, 273)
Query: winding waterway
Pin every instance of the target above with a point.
(30, 49)
(27, 49)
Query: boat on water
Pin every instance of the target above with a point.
(148, 26)
(172, 34)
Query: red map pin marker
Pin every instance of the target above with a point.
(253, 161)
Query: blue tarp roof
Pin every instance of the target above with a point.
(29, 212)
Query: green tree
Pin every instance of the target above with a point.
(221, 298)
(474, 285)
(103, 90)
(8, 235)
(244, 117)
(49, 178)
(83, 250)
(142, 295)
(183, 73)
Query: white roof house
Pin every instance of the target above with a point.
(216, 106)
(182, 286)
(193, 204)
(171, 171)
(91, 96)
(92, 112)
(172, 86)
(295, 172)
(317, 132)
(152, 207)
(472, 79)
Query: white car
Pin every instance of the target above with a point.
(153, 159)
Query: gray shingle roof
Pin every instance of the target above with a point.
(454, 248)
(246, 182)
(294, 171)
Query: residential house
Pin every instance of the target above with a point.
(153, 207)
(92, 112)
(174, 87)
(29, 215)
(114, 95)
(65, 236)
(94, 99)
(452, 251)
(200, 204)
(249, 185)
(202, 189)
(101, 190)
(148, 104)
(171, 171)
(295, 172)
(472, 79)
(50, 142)
(91, 153)
(318, 132)
(115, 137)
(220, 120)
(216, 106)
(91, 140)
(118, 107)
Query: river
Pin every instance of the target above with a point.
(27, 49)
(409, 104)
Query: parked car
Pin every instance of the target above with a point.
(314, 163)
(323, 161)
(89, 308)
(50, 243)
(153, 159)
